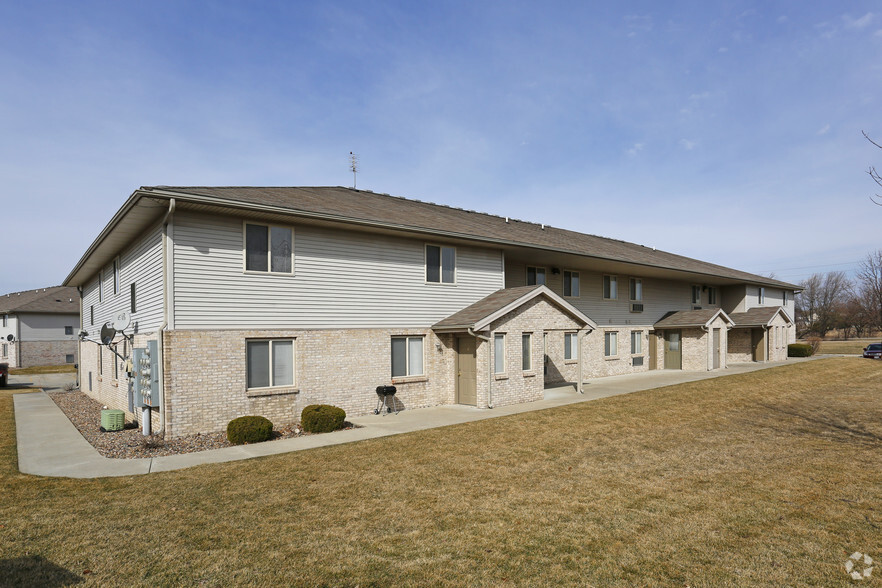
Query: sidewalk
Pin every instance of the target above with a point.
(65, 453)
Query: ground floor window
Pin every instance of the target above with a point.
(571, 345)
(610, 343)
(527, 352)
(499, 353)
(69, 358)
(407, 356)
(636, 342)
(5, 350)
(270, 363)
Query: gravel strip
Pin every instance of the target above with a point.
(85, 414)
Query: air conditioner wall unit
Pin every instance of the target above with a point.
(636, 307)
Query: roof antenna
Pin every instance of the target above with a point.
(353, 165)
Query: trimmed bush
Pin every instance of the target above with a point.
(799, 350)
(249, 429)
(322, 418)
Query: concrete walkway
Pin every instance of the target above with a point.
(49, 444)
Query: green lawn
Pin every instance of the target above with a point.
(769, 478)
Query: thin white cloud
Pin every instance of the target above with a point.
(687, 144)
(857, 23)
(637, 148)
(824, 130)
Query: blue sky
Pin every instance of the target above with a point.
(727, 131)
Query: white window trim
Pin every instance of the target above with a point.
(692, 293)
(535, 269)
(761, 295)
(638, 281)
(293, 341)
(638, 353)
(613, 279)
(563, 285)
(711, 290)
(496, 360)
(269, 261)
(115, 269)
(440, 281)
(574, 347)
(528, 356)
(407, 356)
(100, 286)
(611, 355)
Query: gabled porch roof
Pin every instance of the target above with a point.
(692, 318)
(760, 317)
(479, 315)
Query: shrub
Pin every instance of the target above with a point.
(815, 343)
(249, 429)
(799, 350)
(322, 418)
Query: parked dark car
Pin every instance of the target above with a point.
(873, 351)
(4, 373)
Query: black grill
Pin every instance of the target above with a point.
(384, 393)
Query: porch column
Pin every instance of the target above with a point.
(582, 334)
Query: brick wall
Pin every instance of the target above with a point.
(37, 353)
(206, 375)
(598, 365)
(740, 349)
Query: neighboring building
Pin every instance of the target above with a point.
(264, 300)
(39, 327)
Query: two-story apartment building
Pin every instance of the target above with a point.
(39, 327)
(264, 300)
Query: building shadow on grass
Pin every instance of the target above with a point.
(35, 570)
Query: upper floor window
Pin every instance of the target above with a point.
(636, 289)
(761, 296)
(696, 294)
(268, 248)
(784, 296)
(711, 295)
(535, 276)
(5, 319)
(68, 330)
(571, 284)
(610, 288)
(407, 356)
(116, 276)
(440, 264)
(100, 286)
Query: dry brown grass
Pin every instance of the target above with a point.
(44, 369)
(852, 346)
(769, 478)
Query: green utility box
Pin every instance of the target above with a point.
(113, 420)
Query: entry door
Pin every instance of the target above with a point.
(716, 349)
(653, 351)
(673, 353)
(757, 343)
(466, 371)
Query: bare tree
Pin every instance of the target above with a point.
(877, 198)
(818, 305)
(869, 281)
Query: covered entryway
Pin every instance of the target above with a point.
(673, 350)
(715, 349)
(466, 371)
(505, 341)
(758, 344)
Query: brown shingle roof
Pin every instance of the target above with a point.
(757, 317)
(54, 300)
(381, 209)
(473, 315)
(688, 318)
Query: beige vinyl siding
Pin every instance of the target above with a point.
(341, 279)
(48, 326)
(659, 296)
(142, 264)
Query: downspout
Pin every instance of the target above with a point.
(165, 298)
(489, 366)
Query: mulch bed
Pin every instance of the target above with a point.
(85, 414)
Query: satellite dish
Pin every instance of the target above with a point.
(122, 321)
(107, 334)
(10, 337)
